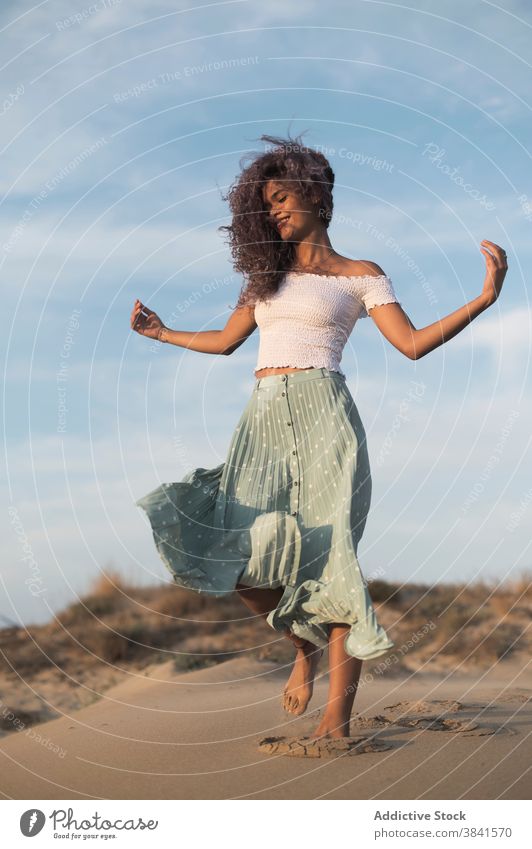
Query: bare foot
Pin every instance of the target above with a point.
(331, 727)
(298, 691)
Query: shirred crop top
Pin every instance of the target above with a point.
(308, 320)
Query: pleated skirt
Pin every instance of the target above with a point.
(286, 509)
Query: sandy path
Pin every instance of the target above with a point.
(196, 736)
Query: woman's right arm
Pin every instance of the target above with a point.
(240, 325)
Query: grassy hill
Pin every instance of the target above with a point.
(118, 630)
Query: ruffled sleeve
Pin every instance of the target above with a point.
(375, 291)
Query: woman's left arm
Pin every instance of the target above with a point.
(396, 326)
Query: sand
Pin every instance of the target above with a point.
(215, 734)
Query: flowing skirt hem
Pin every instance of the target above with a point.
(203, 556)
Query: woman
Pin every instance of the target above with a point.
(280, 520)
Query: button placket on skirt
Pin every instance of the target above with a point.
(294, 469)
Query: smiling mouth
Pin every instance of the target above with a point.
(282, 223)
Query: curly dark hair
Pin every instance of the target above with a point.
(257, 248)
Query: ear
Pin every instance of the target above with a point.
(321, 210)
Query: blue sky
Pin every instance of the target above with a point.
(122, 123)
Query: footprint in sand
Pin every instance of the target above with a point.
(425, 715)
(517, 695)
(326, 747)
(377, 721)
(439, 723)
(402, 710)
(436, 706)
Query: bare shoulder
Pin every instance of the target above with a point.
(363, 267)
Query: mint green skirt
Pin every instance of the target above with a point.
(286, 509)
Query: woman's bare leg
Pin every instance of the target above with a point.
(344, 673)
(299, 687)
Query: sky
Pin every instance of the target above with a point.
(123, 123)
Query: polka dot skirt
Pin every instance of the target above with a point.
(286, 509)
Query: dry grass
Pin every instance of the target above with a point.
(479, 623)
(117, 627)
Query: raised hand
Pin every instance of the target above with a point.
(145, 321)
(496, 268)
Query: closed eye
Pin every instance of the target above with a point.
(281, 200)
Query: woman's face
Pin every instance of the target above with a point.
(290, 214)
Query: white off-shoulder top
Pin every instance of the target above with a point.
(308, 320)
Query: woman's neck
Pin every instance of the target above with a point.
(315, 251)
